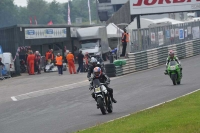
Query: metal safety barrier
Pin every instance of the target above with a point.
(155, 57)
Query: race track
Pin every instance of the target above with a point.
(68, 109)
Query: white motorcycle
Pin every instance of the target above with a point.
(102, 97)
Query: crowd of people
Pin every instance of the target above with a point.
(33, 60)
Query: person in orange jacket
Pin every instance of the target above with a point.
(59, 63)
(70, 60)
(30, 61)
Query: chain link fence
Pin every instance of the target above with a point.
(154, 37)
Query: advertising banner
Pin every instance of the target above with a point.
(181, 34)
(172, 33)
(153, 37)
(162, 6)
(195, 32)
(160, 38)
(41, 33)
(176, 32)
(167, 33)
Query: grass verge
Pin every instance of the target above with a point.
(179, 116)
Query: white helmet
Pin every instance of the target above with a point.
(93, 61)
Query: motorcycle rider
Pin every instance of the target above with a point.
(172, 57)
(103, 78)
(94, 63)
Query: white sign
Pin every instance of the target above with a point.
(186, 33)
(160, 38)
(40, 33)
(172, 33)
(176, 32)
(162, 6)
(195, 32)
(189, 29)
(153, 37)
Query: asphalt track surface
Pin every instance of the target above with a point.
(69, 110)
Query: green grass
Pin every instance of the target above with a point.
(179, 116)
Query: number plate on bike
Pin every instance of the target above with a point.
(172, 67)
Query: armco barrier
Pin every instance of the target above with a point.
(154, 57)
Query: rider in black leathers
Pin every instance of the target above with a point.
(94, 64)
(103, 78)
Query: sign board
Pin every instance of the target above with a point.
(172, 33)
(153, 37)
(162, 6)
(1, 50)
(176, 32)
(41, 33)
(189, 29)
(160, 38)
(195, 32)
(167, 33)
(181, 34)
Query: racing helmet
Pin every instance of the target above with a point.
(171, 54)
(97, 72)
(93, 61)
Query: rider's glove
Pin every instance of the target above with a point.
(107, 82)
(89, 79)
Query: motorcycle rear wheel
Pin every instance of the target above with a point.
(101, 105)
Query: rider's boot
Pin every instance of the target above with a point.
(166, 72)
(95, 100)
(112, 98)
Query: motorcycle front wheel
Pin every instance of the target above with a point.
(101, 105)
(174, 77)
(109, 104)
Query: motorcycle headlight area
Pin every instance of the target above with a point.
(172, 67)
(97, 89)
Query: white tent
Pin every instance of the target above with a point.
(113, 31)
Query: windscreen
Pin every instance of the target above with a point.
(96, 83)
(89, 44)
(173, 63)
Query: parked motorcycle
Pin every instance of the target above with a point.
(174, 71)
(102, 97)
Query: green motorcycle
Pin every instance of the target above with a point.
(174, 71)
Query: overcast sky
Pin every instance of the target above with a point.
(24, 3)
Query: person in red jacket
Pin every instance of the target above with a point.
(30, 61)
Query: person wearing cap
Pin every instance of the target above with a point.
(70, 60)
(59, 63)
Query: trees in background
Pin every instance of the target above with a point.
(11, 14)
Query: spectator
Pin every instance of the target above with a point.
(70, 60)
(59, 63)
(80, 62)
(37, 62)
(1, 64)
(30, 61)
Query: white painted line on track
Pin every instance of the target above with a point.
(13, 98)
(145, 109)
(49, 91)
